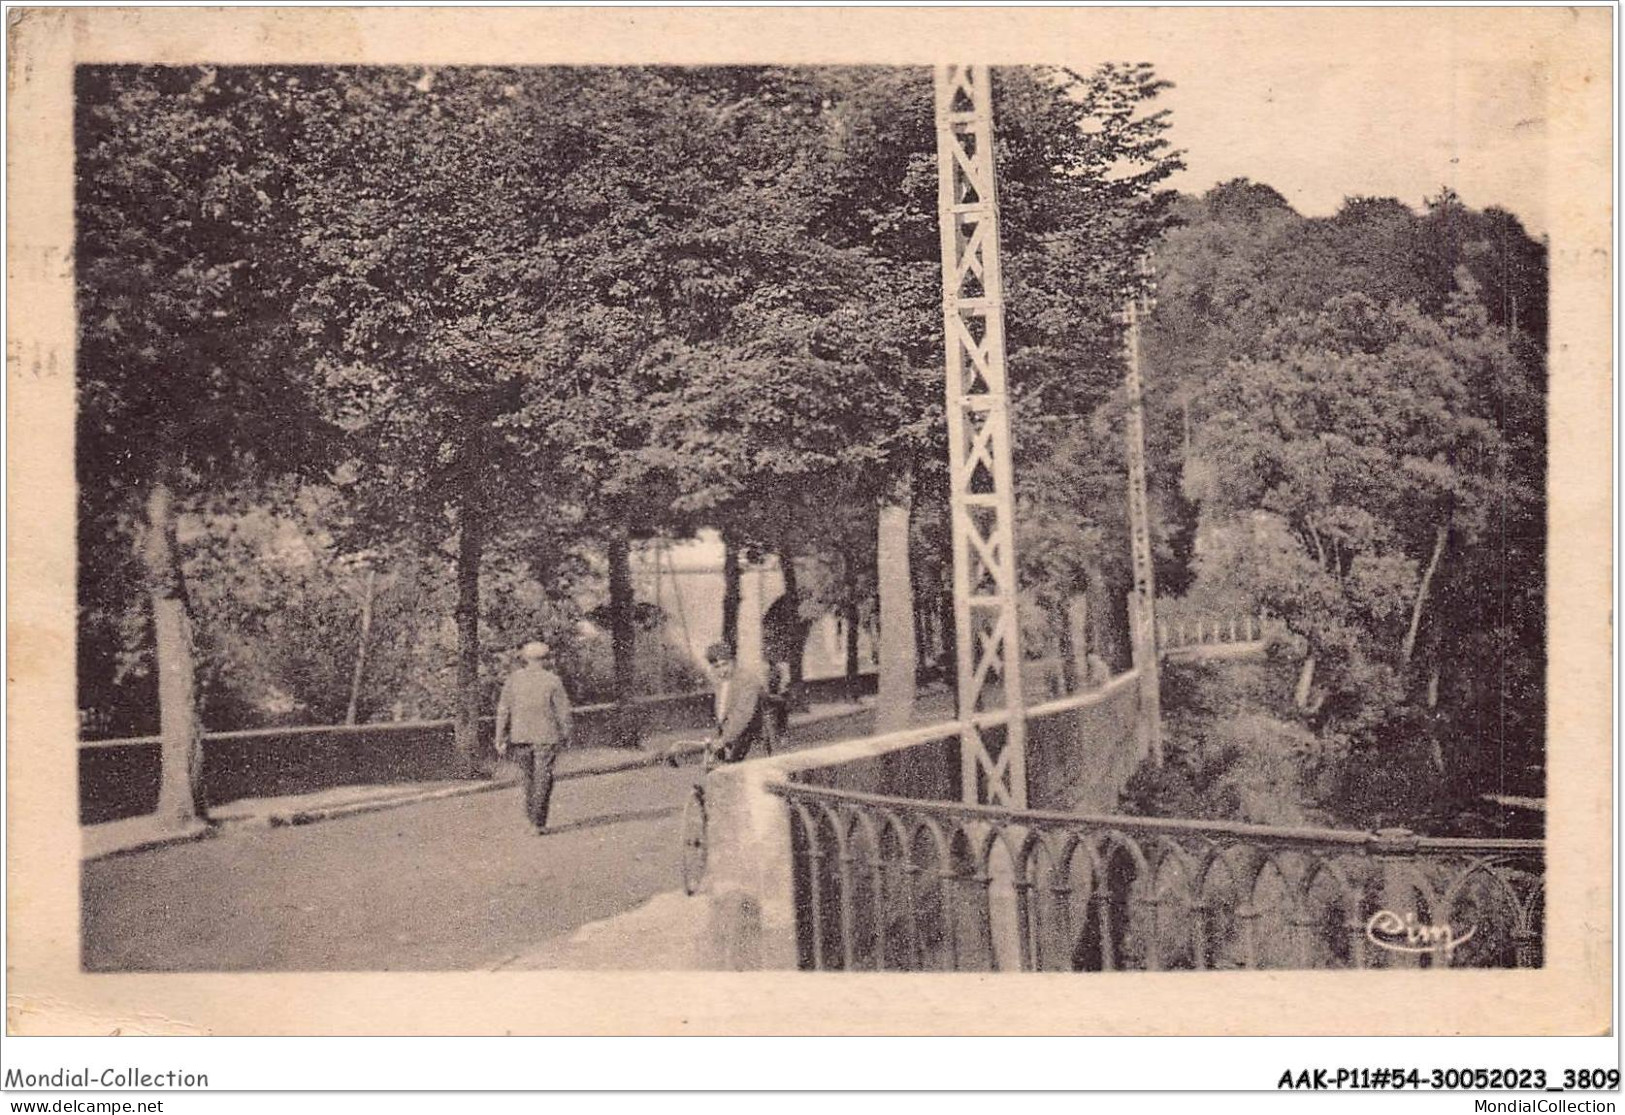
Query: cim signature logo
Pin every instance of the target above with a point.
(1387, 930)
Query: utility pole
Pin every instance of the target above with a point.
(1142, 617)
(986, 623)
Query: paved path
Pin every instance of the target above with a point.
(446, 884)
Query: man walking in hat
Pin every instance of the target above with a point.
(534, 713)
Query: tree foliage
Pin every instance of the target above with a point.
(1361, 421)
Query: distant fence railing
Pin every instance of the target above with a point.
(890, 883)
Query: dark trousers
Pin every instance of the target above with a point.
(536, 760)
(775, 723)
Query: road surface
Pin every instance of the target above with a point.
(457, 884)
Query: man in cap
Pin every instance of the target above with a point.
(534, 714)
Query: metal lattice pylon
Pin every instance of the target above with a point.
(1142, 617)
(985, 601)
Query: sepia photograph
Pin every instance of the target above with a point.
(1083, 509)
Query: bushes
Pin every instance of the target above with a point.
(1235, 751)
(1245, 767)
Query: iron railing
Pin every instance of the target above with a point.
(885, 883)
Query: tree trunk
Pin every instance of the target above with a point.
(949, 622)
(180, 787)
(1075, 643)
(1408, 647)
(792, 594)
(1110, 638)
(1051, 666)
(623, 634)
(849, 616)
(1435, 744)
(922, 631)
(466, 725)
(352, 711)
(731, 593)
(897, 650)
(414, 664)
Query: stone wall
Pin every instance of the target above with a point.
(1081, 756)
(119, 778)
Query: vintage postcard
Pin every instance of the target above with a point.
(799, 521)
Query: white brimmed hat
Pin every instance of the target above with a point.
(532, 651)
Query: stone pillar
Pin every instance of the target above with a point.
(1077, 626)
(749, 882)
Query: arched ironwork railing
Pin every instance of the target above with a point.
(885, 883)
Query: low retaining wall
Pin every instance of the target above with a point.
(118, 778)
(1081, 749)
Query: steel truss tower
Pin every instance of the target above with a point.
(1142, 617)
(986, 621)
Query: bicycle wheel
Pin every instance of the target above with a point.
(693, 850)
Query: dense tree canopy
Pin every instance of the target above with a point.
(1361, 420)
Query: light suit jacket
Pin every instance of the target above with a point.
(534, 710)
